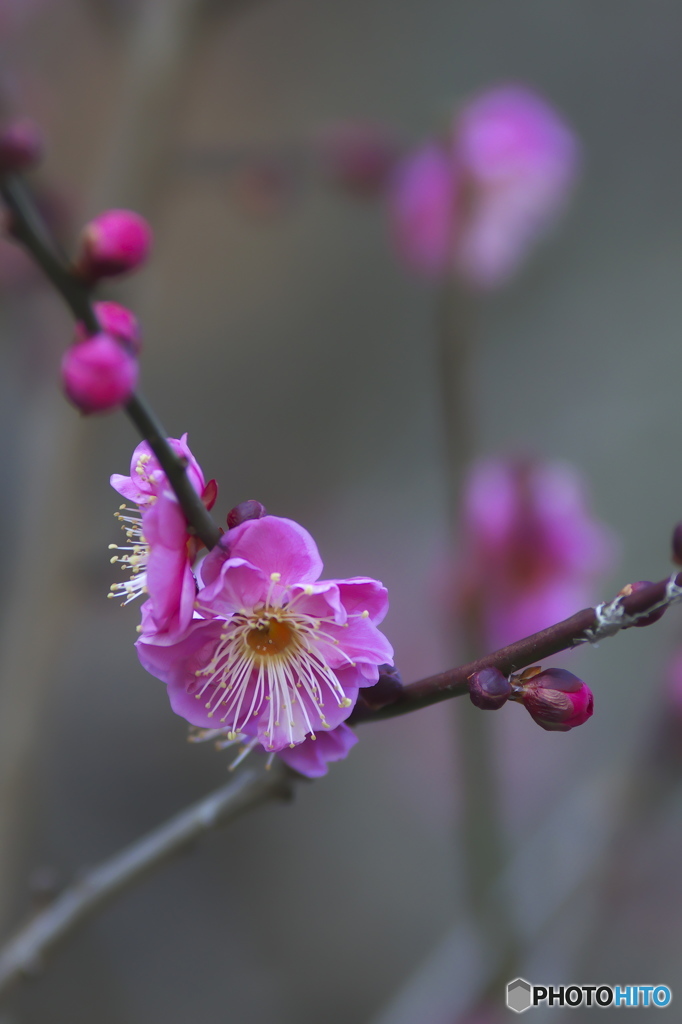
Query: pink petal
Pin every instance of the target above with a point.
(277, 545)
(237, 585)
(312, 756)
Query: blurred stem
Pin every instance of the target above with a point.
(24, 954)
(455, 326)
(481, 831)
(647, 784)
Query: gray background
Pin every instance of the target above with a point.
(299, 356)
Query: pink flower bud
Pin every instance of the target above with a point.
(98, 374)
(357, 156)
(118, 321)
(250, 509)
(632, 588)
(116, 242)
(555, 699)
(489, 689)
(21, 146)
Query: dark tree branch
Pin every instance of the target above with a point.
(389, 697)
(28, 227)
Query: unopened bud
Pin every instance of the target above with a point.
(21, 146)
(250, 509)
(358, 156)
(99, 374)
(489, 689)
(555, 699)
(632, 588)
(117, 321)
(114, 243)
(677, 544)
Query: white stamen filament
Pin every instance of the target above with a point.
(133, 557)
(240, 678)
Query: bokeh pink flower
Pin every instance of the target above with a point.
(474, 203)
(530, 550)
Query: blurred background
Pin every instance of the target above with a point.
(283, 333)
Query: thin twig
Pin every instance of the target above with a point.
(389, 697)
(24, 954)
(29, 228)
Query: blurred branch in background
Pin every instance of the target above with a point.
(24, 955)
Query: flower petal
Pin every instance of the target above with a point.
(313, 755)
(277, 545)
(238, 585)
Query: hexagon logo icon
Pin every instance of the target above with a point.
(518, 995)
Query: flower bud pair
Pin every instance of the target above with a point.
(99, 372)
(555, 699)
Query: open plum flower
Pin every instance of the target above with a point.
(278, 654)
(161, 552)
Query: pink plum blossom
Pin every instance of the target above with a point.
(474, 202)
(278, 654)
(531, 551)
(147, 480)
(160, 553)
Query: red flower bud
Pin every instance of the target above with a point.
(116, 242)
(489, 689)
(99, 374)
(250, 509)
(21, 146)
(555, 699)
(632, 588)
(118, 321)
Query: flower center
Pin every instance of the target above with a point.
(270, 637)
